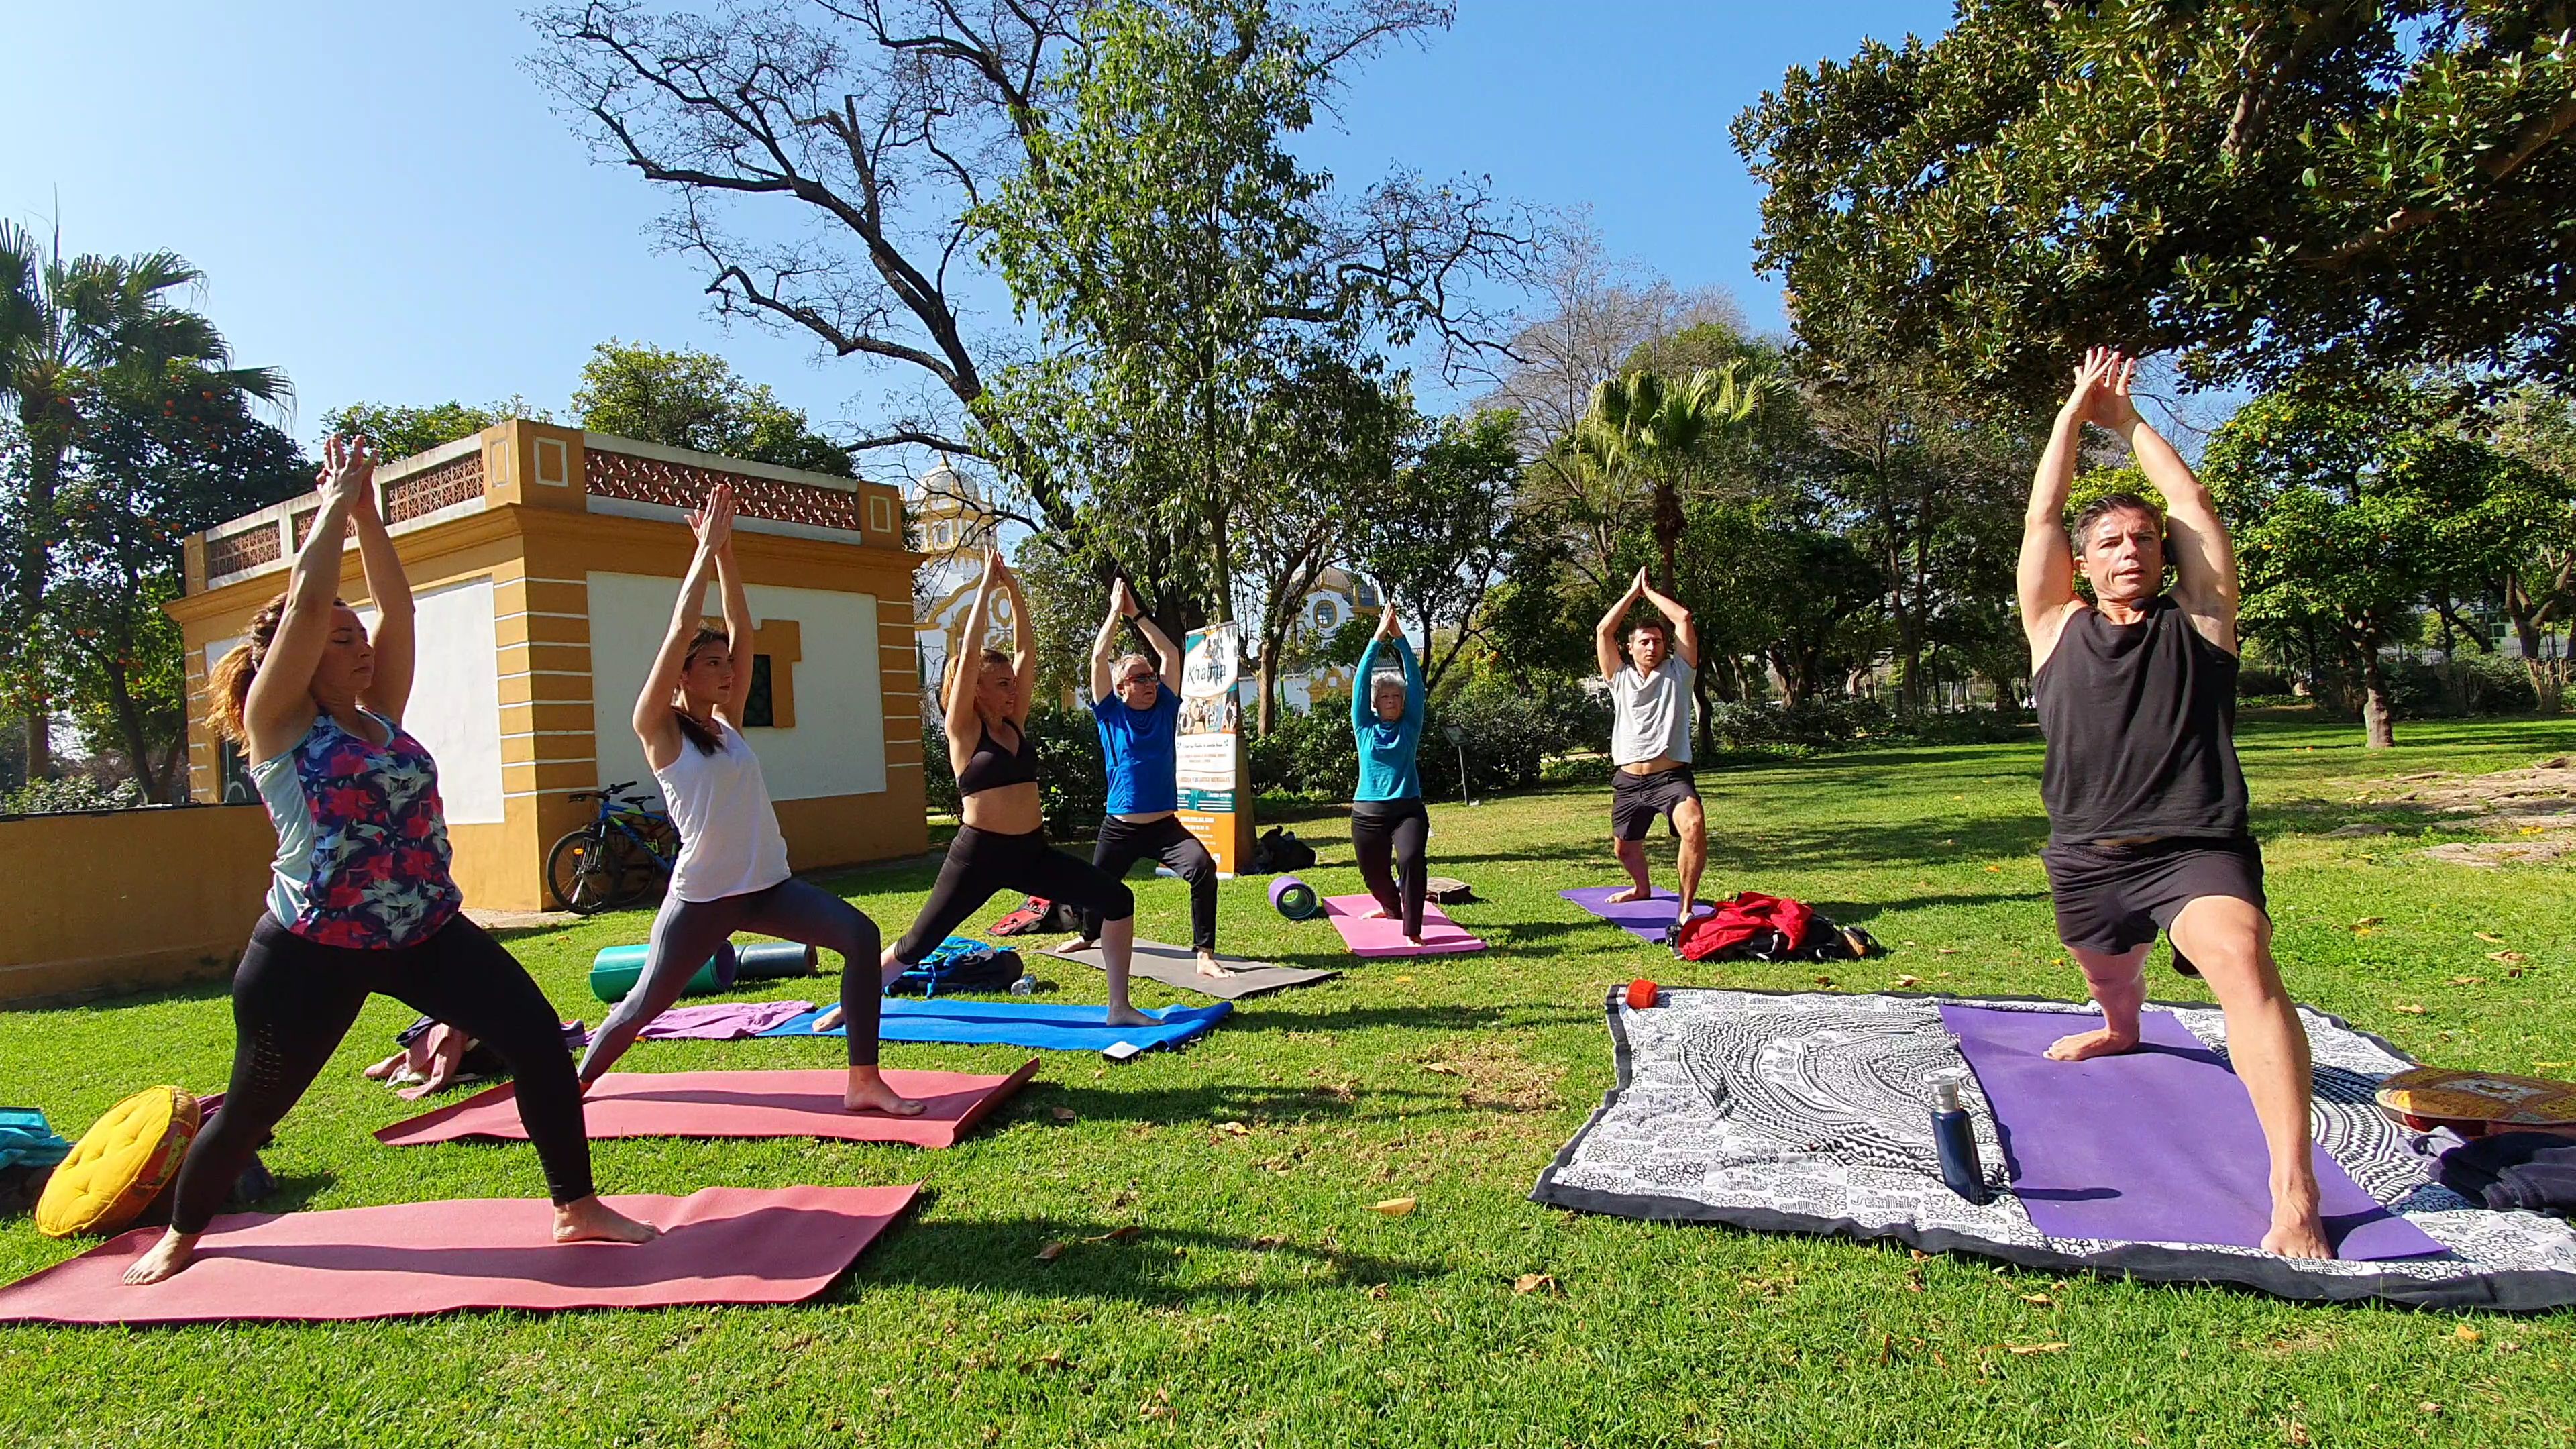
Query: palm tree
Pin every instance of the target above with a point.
(79, 334)
(1644, 428)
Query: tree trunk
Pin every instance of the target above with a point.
(2546, 683)
(46, 446)
(129, 725)
(2374, 702)
(1669, 526)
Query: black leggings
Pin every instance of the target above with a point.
(1123, 843)
(293, 1002)
(687, 932)
(981, 863)
(1397, 827)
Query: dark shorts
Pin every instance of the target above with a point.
(1635, 800)
(2115, 898)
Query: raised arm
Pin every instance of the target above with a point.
(1363, 686)
(1685, 633)
(2204, 557)
(1414, 695)
(2045, 577)
(1605, 635)
(389, 691)
(656, 727)
(280, 705)
(741, 630)
(962, 724)
(1167, 660)
(1024, 648)
(1105, 641)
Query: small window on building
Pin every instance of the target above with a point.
(943, 535)
(757, 712)
(232, 775)
(1327, 613)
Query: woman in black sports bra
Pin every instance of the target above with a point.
(1001, 838)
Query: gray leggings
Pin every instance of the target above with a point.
(686, 933)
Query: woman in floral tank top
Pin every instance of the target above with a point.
(360, 897)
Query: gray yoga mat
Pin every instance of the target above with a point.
(1178, 966)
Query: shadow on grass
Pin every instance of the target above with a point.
(1144, 1265)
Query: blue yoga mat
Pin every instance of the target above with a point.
(1044, 1025)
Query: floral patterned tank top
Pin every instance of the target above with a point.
(362, 855)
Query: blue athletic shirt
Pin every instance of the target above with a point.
(1386, 750)
(1138, 743)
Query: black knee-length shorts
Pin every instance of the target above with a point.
(2118, 897)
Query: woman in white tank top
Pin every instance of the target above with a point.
(733, 873)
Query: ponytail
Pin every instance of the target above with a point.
(228, 685)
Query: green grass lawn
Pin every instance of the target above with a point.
(1263, 1302)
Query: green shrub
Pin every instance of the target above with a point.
(70, 794)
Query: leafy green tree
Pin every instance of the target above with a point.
(2263, 188)
(1659, 434)
(144, 477)
(1435, 537)
(683, 398)
(400, 431)
(2351, 509)
(2539, 588)
(80, 336)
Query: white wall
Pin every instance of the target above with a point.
(455, 709)
(837, 746)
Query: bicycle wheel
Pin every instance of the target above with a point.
(585, 872)
(639, 872)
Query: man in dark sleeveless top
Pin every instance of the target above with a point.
(2136, 691)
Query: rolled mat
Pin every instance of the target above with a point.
(718, 1245)
(614, 969)
(1295, 899)
(733, 1104)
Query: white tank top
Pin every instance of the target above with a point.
(729, 840)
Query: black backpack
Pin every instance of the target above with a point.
(1279, 851)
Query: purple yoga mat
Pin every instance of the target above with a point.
(2156, 1145)
(1650, 919)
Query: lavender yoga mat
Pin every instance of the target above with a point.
(1650, 919)
(2156, 1145)
(718, 1245)
(722, 1020)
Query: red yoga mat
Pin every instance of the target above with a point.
(1440, 935)
(718, 1245)
(732, 1104)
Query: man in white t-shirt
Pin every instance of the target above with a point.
(1650, 738)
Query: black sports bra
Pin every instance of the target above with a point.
(991, 767)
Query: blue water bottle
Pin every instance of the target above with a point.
(1954, 1136)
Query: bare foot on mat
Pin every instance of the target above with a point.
(2297, 1234)
(1379, 914)
(593, 1221)
(867, 1091)
(1632, 894)
(1071, 944)
(828, 1020)
(2086, 1045)
(175, 1251)
(1128, 1016)
(1210, 966)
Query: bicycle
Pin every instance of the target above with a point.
(627, 848)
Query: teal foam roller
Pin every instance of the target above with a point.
(614, 969)
(1295, 899)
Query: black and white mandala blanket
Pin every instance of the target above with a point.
(1810, 1112)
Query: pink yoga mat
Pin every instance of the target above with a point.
(1440, 935)
(732, 1104)
(718, 1245)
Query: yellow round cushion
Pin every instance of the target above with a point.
(121, 1164)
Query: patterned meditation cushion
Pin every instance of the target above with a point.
(121, 1164)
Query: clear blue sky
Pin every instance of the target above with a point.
(369, 187)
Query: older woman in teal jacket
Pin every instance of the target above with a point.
(1388, 823)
